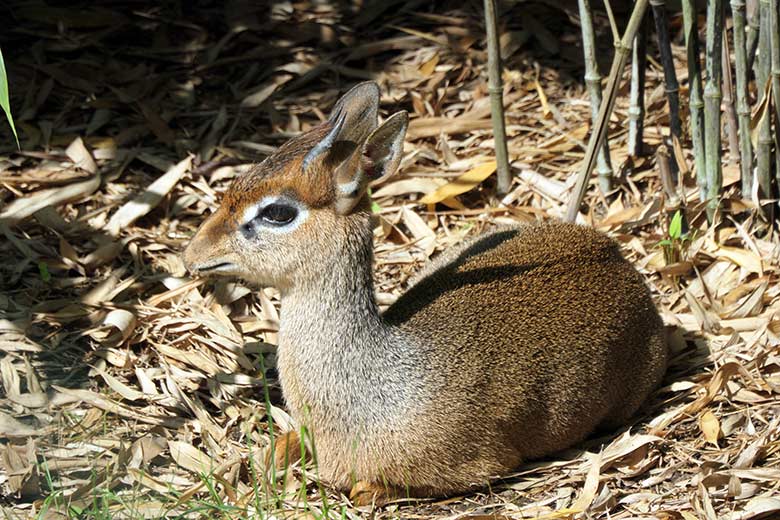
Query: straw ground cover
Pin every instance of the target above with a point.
(130, 390)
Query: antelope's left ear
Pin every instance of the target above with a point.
(380, 156)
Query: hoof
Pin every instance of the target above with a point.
(287, 450)
(370, 493)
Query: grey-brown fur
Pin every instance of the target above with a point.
(515, 345)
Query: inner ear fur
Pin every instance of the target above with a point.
(380, 156)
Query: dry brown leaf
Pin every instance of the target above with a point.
(115, 328)
(22, 208)
(461, 184)
(108, 405)
(710, 427)
(548, 187)
(546, 112)
(758, 506)
(12, 428)
(435, 126)
(427, 68)
(591, 486)
(624, 445)
(424, 236)
(149, 199)
(122, 389)
(190, 458)
(264, 91)
(81, 157)
(742, 257)
(406, 186)
(760, 113)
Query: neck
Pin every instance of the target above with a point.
(336, 314)
(333, 308)
(334, 347)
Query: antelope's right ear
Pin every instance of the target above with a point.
(379, 157)
(352, 119)
(384, 148)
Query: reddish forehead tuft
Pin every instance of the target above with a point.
(282, 173)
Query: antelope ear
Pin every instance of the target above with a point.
(352, 119)
(379, 157)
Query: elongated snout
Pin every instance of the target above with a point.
(209, 251)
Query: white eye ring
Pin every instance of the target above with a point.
(253, 211)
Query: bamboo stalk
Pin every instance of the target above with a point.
(728, 101)
(636, 108)
(695, 99)
(764, 144)
(743, 104)
(622, 50)
(663, 160)
(753, 27)
(593, 83)
(667, 61)
(774, 41)
(496, 90)
(712, 99)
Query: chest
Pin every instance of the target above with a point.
(337, 388)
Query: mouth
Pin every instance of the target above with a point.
(217, 268)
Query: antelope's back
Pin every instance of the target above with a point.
(543, 323)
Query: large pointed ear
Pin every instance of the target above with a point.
(379, 158)
(352, 119)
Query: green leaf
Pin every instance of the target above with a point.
(663, 243)
(5, 102)
(376, 208)
(675, 226)
(43, 269)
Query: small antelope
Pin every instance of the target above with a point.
(517, 344)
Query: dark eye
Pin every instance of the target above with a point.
(278, 214)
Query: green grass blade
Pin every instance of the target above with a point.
(5, 102)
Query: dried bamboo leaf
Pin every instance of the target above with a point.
(758, 507)
(710, 427)
(81, 157)
(122, 389)
(407, 186)
(426, 238)
(591, 485)
(12, 428)
(742, 257)
(190, 458)
(22, 208)
(149, 199)
(462, 184)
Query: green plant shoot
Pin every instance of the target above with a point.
(5, 101)
(675, 226)
(675, 242)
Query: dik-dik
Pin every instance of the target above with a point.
(517, 344)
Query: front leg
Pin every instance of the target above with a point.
(286, 450)
(366, 493)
